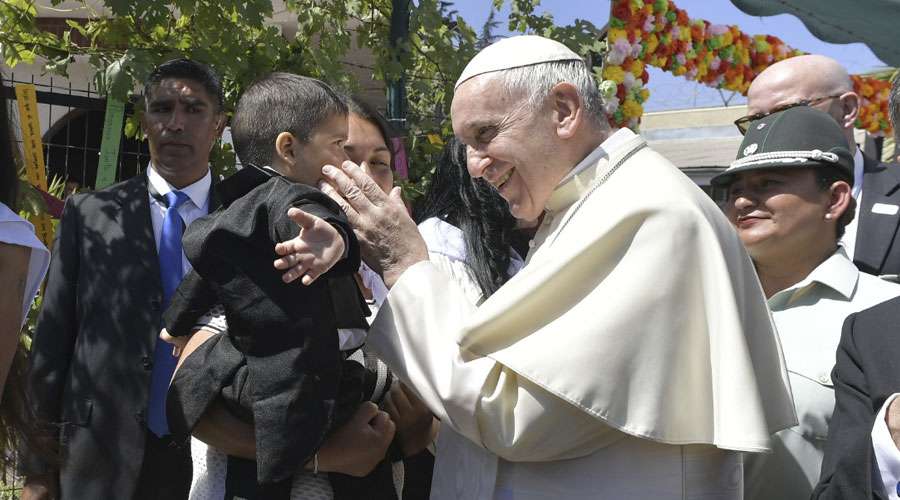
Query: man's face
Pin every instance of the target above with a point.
(182, 122)
(324, 147)
(509, 146)
(778, 211)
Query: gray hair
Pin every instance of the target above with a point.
(894, 108)
(538, 79)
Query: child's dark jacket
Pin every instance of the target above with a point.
(292, 380)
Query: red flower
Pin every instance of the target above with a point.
(620, 93)
(621, 10)
(681, 17)
(645, 77)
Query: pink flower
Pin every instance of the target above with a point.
(714, 64)
(636, 49)
(717, 29)
(610, 105)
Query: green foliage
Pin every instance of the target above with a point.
(235, 37)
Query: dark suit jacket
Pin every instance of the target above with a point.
(877, 239)
(866, 374)
(92, 352)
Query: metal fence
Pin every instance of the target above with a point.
(73, 122)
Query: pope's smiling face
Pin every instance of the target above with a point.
(510, 145)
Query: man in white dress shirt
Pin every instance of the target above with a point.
(630, 358)
(95, 354)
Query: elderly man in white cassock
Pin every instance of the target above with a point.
(632, 358)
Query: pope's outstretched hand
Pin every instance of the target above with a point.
(389, 240)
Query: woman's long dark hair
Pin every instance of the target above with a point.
(477, 210)
(9, 170)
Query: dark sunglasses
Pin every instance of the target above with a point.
(743, 123)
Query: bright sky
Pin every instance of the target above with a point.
(671, 92)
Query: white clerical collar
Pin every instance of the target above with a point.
(198, 192)
(858, 165)
(613, 142)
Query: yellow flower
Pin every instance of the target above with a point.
(637, 68)
(632, 109)
(614, 73)
(652, 43)
(645, 94)
(727, 39)
(617, 33)
(685, 35)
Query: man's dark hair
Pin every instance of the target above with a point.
(276, 103)
(826, 176)
(478, 210)
(368, 113)
(188, 70)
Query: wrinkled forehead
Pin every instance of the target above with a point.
(482, 101)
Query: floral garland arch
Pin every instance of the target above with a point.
(657, 33)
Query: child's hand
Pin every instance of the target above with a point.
(317, 248)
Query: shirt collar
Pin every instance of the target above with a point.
(836, 272)
(582, 176)
(198, 192)
(858, 167)
(605, 148)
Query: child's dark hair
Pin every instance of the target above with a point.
(189, 70)
(276, 103)
(477, 210)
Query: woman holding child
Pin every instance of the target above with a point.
(221, 472)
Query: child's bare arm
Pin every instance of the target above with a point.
(319, 249)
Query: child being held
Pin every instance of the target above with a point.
(290, 378)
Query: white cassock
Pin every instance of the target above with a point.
(632, 357)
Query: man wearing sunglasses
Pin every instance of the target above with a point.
(871, 239)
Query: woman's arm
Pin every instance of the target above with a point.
(14, 261)
(354, 448)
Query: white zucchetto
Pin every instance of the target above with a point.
(515, 52)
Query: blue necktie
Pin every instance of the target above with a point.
(170, 271)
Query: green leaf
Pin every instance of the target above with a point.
(117, 80)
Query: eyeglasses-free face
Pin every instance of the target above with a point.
(743, 123)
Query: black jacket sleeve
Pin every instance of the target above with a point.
(57, 330)
(849, 470)
(193, 298)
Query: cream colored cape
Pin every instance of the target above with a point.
(638, 312)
